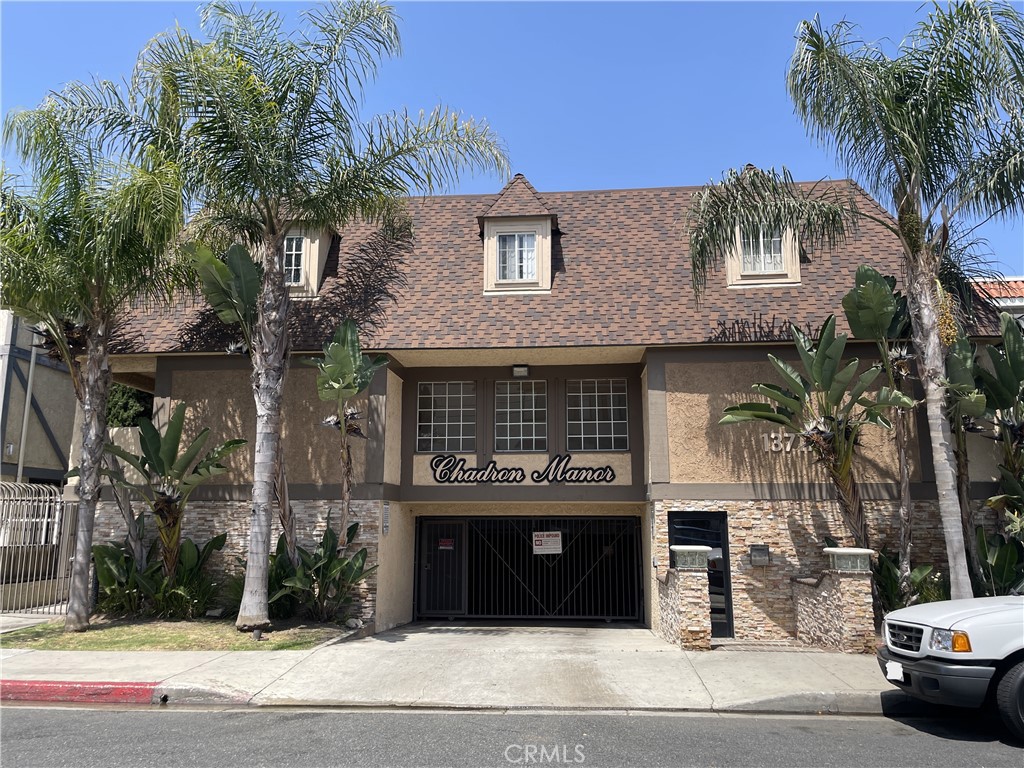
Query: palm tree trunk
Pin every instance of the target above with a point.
(925, 323)
(905, 508)
(94, 431)
(268, 357)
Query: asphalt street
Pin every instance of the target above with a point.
(110, 738)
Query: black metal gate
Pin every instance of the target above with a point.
(491, 568)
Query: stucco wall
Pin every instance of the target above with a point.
(222, 400)
(52, 391)
(395, 577)
(702, 451)
(393, 430)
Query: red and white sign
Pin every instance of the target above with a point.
(446, 543)
(547, 542)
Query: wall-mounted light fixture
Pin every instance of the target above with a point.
(520, 371)
(760, 554)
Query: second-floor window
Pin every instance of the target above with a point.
(521, 416)
(762, 252)
(597, 415)
(446, 417)
(293, 260)
(517, 257)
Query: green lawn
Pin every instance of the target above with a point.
(146, 635)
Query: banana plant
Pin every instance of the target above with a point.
(1004, 388)
(876, 310)
(826, 405)
(169, 476)
(342, 373)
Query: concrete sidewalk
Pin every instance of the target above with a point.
(468, 667)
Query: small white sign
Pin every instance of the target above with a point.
(894, 670)
(547, 542)
(385, 517)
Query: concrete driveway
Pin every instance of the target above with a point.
(563, 666)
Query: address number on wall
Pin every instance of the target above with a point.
(782, 442)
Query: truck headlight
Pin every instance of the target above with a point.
(949, 640)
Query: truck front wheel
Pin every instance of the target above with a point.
(1010, 699)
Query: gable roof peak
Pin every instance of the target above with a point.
(518, 198)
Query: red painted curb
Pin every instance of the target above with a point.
(60, 690)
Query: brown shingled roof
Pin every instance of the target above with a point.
(518, 198)
(620, 277)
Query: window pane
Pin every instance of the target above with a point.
(446, 413)
(596, 415)
(520, 416)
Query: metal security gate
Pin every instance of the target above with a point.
(37, 533)
(491, 568)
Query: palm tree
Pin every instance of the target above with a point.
(76, 249)
(267, 124)
(937, 133)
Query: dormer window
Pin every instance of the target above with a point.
(762, 257)
(293, 246)
(517, 257)
(762, 252)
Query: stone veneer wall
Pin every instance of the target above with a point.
(685, 608)
(795, 531)
(834, 611)
(206, 519)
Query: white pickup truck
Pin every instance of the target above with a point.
(960, 652)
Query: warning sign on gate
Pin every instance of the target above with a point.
(547, 542)
(446, 543)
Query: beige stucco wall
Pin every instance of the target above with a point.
(222, 400)
(393, 430)
(702, 451)
(525, 509)
(621, 464)
(395, 577)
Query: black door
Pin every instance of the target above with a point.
(709, 529)
(538, 568)
(442, 568)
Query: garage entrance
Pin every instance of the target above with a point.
(529, 568)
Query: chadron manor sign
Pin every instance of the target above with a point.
(451, 469)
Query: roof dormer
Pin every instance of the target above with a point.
(516, 232)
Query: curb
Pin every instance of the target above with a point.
(66, 691)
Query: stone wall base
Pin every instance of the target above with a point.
(685, 609)
(834, 611)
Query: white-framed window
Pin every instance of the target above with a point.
(520, 416)
(596, 415)
(293, 245)
(517, 257)
(762, 252)
(446, 417)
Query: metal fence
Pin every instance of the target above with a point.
(37, 539)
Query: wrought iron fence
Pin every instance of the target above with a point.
(37, 539)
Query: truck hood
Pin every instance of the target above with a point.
(946, 614)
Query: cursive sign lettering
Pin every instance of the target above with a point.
(448, 468)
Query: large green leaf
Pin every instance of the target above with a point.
(1013, 346)
(151, 443)
(870, 307)
(737, 414)
(184, 461)
(840, 382)
(172, 438)
(796, 383)
(782, 396)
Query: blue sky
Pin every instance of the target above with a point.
(585, 95)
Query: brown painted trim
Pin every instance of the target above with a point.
(296, 491)
(140, 381)
(799, 491)
(555, 375)
(376, 405)
(657, 418)
(748, 352)
(538, 493)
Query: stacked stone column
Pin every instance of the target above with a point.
(684, 601)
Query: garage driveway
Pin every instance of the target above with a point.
(474, 665)
(575, 666)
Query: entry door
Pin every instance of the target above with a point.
(709, 529)
(442, 576)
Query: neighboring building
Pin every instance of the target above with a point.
(1007, 295)
(48, 438)
(552, 373)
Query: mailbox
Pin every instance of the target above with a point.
(760, 554)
